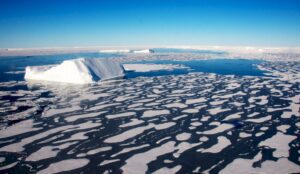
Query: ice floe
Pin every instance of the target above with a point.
(280, 142)
(223, 142)
(218, 129)
(280, 166)
(154, 113)
(65, 165)
(138, 163)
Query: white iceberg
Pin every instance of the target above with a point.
(152, 67)
(77, 71)
(143, 51)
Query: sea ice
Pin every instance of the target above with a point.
(280, 142)
(223, 142)
(221, 128)
(153, 113)
(183, 136)
(260, 120)
(65, 165)
(240, 165)
(138, 163)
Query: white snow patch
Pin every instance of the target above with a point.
(260, 120)
(133, 122)
(218, 110)
(108, 162)
(164, 125)
(18, 129)
(165, 170)
(283, 128)
(128, 134)
(244, 135)
(176, 105)
(130, 149)
(197, 100)
(190, 111)
(183, 136)
(88, 115)
(120, 115)
(223, 142)
(98, 150)
(65, 165)
(154, 113)
(221, 128)
(280, 142)
(280, 166)
(138, 163)
(47, 152)
(204, 139)
(233, 116)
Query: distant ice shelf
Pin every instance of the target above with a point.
(77, 71)
(145, 51)
(115, 51)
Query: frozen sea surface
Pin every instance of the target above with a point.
(194, 121)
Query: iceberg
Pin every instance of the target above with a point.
(144, 51)
(77, 71)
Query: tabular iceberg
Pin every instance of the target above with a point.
(77, 71)
(143, 51)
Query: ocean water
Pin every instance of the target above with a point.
(12, 68)
(240, 67)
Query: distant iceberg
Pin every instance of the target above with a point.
(77, 71)
(144, 51)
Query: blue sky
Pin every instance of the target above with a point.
(50, 23)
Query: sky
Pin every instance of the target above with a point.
(67, 23)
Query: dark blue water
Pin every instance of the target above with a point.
(219, 66)
(177, 50)
(240, 67)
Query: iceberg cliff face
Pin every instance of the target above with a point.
(77, 71)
